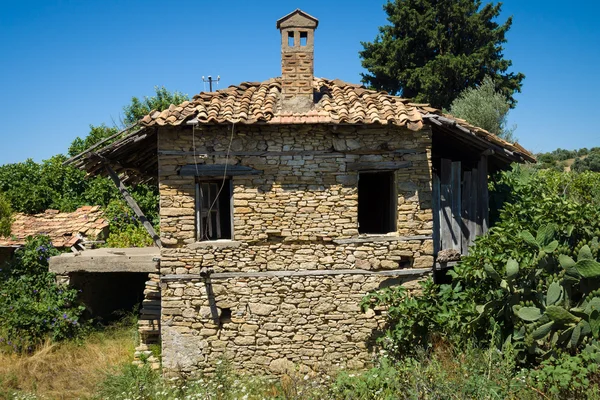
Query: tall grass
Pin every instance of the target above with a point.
(67, 370)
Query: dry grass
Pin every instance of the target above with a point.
(67, 370)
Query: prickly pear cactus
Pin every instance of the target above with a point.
(553, 301)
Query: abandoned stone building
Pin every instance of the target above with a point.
(284, 202)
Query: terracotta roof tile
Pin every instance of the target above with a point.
(64, 229)
(258, 102)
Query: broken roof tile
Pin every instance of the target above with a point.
(64, 229)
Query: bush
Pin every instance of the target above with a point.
(32, 306)
(513, 282)
(5, 216)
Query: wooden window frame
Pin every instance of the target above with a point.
(207, 191)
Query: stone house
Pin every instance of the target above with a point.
(284, 202)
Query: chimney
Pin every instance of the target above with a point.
(297, 60)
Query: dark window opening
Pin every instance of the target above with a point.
(303, 38)
(376, 202)
(291, 39)
(225, 317)
(213, 210)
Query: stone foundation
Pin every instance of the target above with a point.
(269, 324)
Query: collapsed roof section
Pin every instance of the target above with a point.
(134, 156)
(64, 229)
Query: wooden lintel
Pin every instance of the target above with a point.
(332, 153)
(381, 238)
(217, 170)
(407, 272)
(378, 166)
(133, 204)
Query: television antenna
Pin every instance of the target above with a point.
(210, 81)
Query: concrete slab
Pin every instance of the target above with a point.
(144, 259)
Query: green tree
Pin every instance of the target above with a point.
(484, 107)
(434, 49)
(5, 216)
(97, 133)
(161, 101)
(590, 163)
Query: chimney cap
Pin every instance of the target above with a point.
(304, 21)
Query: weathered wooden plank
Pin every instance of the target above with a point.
(435, 205)
(382, 238)
(383, 165)
(333, 153)
(466, 212)
(475, 224)
(483, 187)
(277, 274)
(445, 205)
(455, 188)
(217, 170)
(134, 206)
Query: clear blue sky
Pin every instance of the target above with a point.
(67, 64)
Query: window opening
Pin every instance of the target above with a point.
(303, 38)
(377, 201)
(213, 210)
(291, 39)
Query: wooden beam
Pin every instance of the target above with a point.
(381, 238)
(408, 272)
(455, 188)
(466, 212)
(332, 153)
(484, 195)
(435, 193)
(378, 165)
(217, 170)
(133, 204)
(446, 234)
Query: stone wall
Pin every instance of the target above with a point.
(272, 324)
(299, 214)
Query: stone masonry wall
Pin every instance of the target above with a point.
(300, 213)
(272, 324)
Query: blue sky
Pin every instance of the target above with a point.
(68, 64)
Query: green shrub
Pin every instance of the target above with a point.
(125, 229)
(5, 216)
(510, 268)
(32, 306)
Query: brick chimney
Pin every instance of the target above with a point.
(297, 60)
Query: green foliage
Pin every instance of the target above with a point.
(590, 163)
(32, 306)
(5, 216)
(97, 134)
(484, 107)
(568, 376)
(557, 159)
(536, 289)
(432, 50)
(32, 187)
(161, 101)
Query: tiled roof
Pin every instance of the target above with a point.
(258, 102)
(336, 102)
(64, 229)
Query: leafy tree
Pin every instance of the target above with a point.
(434, 49)
(161, 101)
(484, 107)
(5, 216)
(97, 133)
(590, 163)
